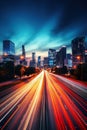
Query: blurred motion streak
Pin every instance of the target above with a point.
(46, 102)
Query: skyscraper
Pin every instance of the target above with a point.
(78, 50)
(68, 60)
(23, 51)
(33, 56)
(23, 56)
(33, 61)
(61, 56)
(8, 49)
(39, 61)
(58, 58)
(52, 57)
(45, 62)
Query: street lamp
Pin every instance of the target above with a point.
(78, 58)
(22, 57)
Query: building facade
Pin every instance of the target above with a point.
(33, 61)
(23, 50)
(68, 60)
(45, 62)
(61, 56)
(8, 50)
(78, 50)
(23, 56)
(39, 61)
(52, 57)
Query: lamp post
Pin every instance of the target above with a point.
(78, 57)
(79, 60)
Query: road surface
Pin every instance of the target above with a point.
(47, 102)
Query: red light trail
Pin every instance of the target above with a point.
(46, 102)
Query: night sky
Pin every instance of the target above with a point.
(42, 24)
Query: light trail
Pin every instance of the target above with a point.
(66, 112)
(14, 99)
(33, 107)
(48, 102)
(77, 87)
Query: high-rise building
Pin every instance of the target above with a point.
(33, 56)
(45, 62)
(33, 61)
(68, 60)
(23, 56)
(61, 56)
(78, 50)
(58, 58)
(8, 50)
(52, 57)
(39, 61)
(23, 51)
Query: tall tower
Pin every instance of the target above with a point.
(8, 50)
(23, 56)
(39, 61)
(33, 56)
(23, 51)
(78, 50)
(33, 61)
(52, 57)
(61, 56)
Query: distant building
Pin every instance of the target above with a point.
(68, 60)
(39, 61)
(33, 56)
(78, 50)
(58, 58)
(52, 57)
(45, 62)
(28, 60)
(33, 61)
(8, 50)
(23, 50)
(61, 56)
(23, 56)
(17, 59)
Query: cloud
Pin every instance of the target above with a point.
(72, 13)
(42, 24)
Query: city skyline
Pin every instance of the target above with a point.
(43, 64)
(42, 25)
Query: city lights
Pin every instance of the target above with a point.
(78, 57)
(43, 65)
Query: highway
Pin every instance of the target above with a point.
(45, 102)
